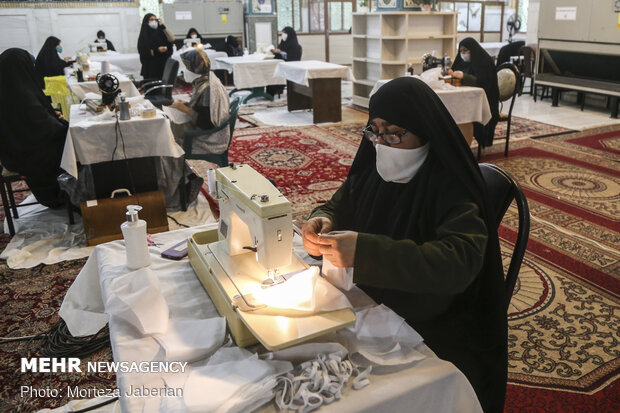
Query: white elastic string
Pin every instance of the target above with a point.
(317, 382)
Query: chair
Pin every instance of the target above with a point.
(509, 83)
(159, 92)
(62, 98)
(219, 159)
(7, 193)
(510, 49)
(503, 189)
(528, 65)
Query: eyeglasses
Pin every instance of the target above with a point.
(389, 138)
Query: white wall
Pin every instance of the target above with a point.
(75, 27)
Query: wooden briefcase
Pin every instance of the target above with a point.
(102, 218)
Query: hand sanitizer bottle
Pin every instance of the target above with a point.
(134, 233)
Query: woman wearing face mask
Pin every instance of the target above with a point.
(476, 68)
(101, 39)
(48, 62)
(289, 48)
(414, 222)
(193, 34)
(154, 46)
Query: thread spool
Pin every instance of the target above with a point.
(105, 67)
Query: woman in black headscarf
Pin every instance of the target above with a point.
(32, 136)
(233, 48)
(289, 48)
(101, 39)
(476, 68)
(154, 46)
(193, 34)
(414, 221)
(48, 62)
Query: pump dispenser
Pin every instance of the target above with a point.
(134, 233)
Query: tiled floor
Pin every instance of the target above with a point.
(566, 115)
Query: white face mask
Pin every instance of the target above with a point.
(466, 57)
(399, 165)
(154, 24)
(101, 40)
(193, 36)
(284, 36)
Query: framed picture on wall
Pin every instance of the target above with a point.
(387, 4)
(262, 6)
(412, 4)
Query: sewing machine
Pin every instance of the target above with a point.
(253, 248)
(98, 47)
(429, 62)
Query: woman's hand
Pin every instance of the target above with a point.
(457, 75)
(274, 51)
(180, 105)
(339, 247)
(59, 114)
(310, 233)
(162, 49)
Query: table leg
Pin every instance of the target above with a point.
(326, 100)
(614, 106)
(258, 92)
(298, 96)
(555, 96)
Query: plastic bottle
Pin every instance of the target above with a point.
(134, 233)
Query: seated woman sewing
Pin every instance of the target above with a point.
(48, 62)
(208, 106)
(414, 222)
(32, 133)
(476, 68)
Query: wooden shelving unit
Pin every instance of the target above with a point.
(385, 43)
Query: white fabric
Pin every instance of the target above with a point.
(228, 379)
(382, 337)
(129, 63)
(431, 385)
(188, 76)
(136, 298)
(43, 235)
(399, 165)
(465, 104)
(302, 71)
(305, 291)
(92, 142)
(251, 71)
(191, 340)
(80, 89)
(337, 276)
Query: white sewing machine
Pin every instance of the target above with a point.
(98, 47)
(253, 247)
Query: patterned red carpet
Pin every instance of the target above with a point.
(564, 325)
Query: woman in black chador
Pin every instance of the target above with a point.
(154, 46)
(32, 134)
(414, 221)
(48, 61)
(474, 65)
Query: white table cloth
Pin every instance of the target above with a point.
(492, 48)
(252, 70)
(213, 56)
(80, 89)
(91, 141)
(430, 385)
(129, 63)
(301, 72)
(465, 104)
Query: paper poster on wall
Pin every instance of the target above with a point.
(183, 15)
(617, 6)
(566, 13)
(263, 32)
(261, 6)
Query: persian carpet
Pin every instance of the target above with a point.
(564, 351)
(29, 303)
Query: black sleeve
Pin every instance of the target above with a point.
(110, 46)
(203, 117)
